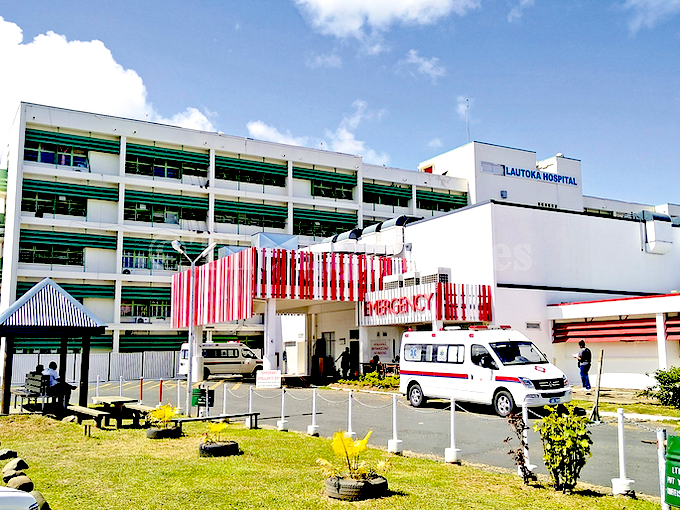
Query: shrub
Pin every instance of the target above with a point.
(566, 445)
(347, 450)
(373, 379)
(667, 390)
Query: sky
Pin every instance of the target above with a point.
(597, 81)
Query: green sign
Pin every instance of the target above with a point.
(673, 471)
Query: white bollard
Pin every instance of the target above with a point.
(201, 410)
(525, 436)
(120, 386)
(249, 420)
(224, 398)
(282, 424)
(313, 429)
(622, 485)
(394, 445)
(452, 454)
(350, 433)
(96, 390)
(661, 458)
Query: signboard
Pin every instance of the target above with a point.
(380, 348)
(672, 492)
(268, 379)
(404, 305)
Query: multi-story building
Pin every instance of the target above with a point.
(94, 202)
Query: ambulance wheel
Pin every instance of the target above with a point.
(503, 403)
(206, 374)
(415, 395)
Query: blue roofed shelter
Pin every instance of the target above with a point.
(47, 310)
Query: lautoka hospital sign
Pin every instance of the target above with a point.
(450, 302)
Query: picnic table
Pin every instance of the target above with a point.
(114, 405)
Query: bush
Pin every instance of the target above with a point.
(566, 445)
(667, 390)
(373, 379)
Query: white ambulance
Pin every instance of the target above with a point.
(230, 358)
(482, 365)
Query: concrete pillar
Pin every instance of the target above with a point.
(270, 361)
(364, 344)
(661, 340)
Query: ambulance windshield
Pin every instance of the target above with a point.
(518, 353)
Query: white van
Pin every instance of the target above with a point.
(487, 366)
(223, 359)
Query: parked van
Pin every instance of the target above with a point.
(487, 366)
(223, 359)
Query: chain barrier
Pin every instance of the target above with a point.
(477, 415)
(423, 411)
(595, 424)
(372, 407)
(331, 401)
(235, 395)
(290, 394)
(277, 395)
(639, 425)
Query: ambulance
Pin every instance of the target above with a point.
(485, 365)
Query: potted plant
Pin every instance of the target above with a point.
(213, 446)
(161, 424)
(354, 480)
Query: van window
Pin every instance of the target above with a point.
(480, 356)
(231, 353)
(247, 353)
(518, 353)
(456, 354)
(434, 353)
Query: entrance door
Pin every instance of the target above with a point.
(290, 358)
(354, 357)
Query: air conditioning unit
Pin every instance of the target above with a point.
(142, 320)
(393, 281)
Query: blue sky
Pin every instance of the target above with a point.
(596, 80)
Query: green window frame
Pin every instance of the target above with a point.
(338, 191)
(40, 203)
(54, 154)
(155, 308)
(254, 172)
(39, 253)
(169, 163)
(437, 201)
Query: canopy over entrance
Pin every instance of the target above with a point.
(49, 311)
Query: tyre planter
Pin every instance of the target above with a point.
(353, 490)
(169, 433)
(222, 449)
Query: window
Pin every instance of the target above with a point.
(145, 308)
(385, 199)
(167, 214)
(413, 352)
(162, 167)
(250, 176)
(133, 259)
(481, 357)
(518, 353)
(50, 254)
(55, 154)
(46, 203)
(493, 168)
(306, 227)
(332, 190)
(253, 220)
(232, 353)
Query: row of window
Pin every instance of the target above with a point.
(40, 203)
(154, 213)
(156, 261)
(161, 167)
(138, 308)
(55, 154)
(51, 254)
(437, 353)
(243, 175)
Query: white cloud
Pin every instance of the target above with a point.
(367, 20)
(647, 13)
(342, 139)
(101, 86)
(261, 131)
(427, 66)
(518, 10)
(435, 143)
(330, 60)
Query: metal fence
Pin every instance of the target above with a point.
(108, 366)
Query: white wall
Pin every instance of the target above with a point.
(461, 240)
(103, 163)
(102, 308)
(98, 260)
(570, 250)
(102, 211)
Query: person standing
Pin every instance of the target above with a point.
(584, 357)
(344, 362)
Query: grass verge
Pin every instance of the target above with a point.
(123, 470)
(639, 408)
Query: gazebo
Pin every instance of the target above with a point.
(48, 311)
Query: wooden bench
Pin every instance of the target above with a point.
(138, 411)
(252, 416)
(35, 387)
(85, 413)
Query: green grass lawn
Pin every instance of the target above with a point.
(640, 408)
(123, 470)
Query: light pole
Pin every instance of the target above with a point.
(177, 246)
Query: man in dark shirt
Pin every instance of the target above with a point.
(584, 358)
